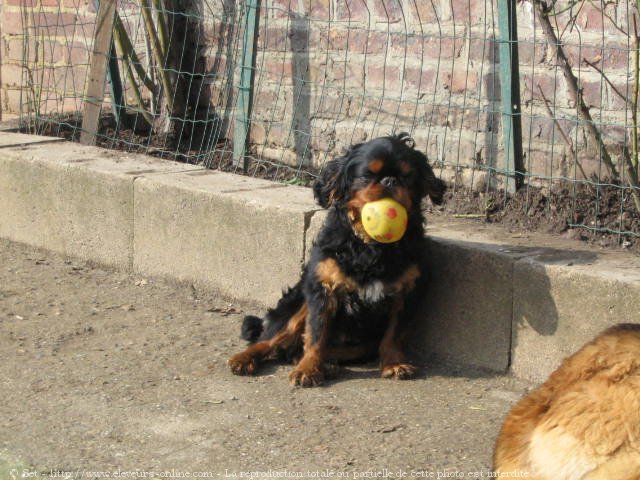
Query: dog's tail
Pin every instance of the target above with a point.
(251, 328)
(255, 328)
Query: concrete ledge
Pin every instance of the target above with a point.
(494, 302)
(552, 295)
(240, 235)
(72, 199)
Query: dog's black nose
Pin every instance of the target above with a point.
(389, 182)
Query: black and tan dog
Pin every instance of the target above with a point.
(583, 423)
(350, 300)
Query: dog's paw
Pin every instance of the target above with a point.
(242, 364)
(399, 371)
(306, 377)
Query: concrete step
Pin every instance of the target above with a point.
(495, 302)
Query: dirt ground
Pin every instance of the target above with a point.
(108, 375)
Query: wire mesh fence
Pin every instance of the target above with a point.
(276, 88)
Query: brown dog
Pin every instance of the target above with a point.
(583, 423)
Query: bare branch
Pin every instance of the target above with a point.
(574, 90)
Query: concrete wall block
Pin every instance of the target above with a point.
(239, 235)
(71, 199)
(75, 211)
(560, 306)
(465, 317)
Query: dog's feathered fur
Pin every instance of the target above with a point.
(349, 302)
(583, 423)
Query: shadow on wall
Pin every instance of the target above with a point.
(301, 113)
(466, 316)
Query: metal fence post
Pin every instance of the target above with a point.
(510, 94)
(245, 90)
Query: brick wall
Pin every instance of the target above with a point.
(45, 45)
(333, 72)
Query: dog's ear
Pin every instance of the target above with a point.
(332, 184)
(431, 185)
(434, 187)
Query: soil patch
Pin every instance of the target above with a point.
(603, 215)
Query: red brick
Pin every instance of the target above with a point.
(279, 8)
(427, 12)
(388, 10)
(13, 100)
(576, 54)
(591, 18)
(80, 4)
(54, 24)
(53, 52)
(422, 79)
(352, 10)
(275, 38)
(411, 45)
(616, 102)
(317, 73)
(376, 42)
(13, 75)
(257, 133)
(598, 94)
(12, 23)
(531, 53)
(379, 76)
(333, 107)
(541, 128)
(349, 73)
(21, 3)
(13, 50)
(460, 80)
(319, 9)
(277, 69)
(445, 47)
(549, 84)
(616, 56)
(354, 41)
(468, 12)
(77, 53)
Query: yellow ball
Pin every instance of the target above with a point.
(384, 220)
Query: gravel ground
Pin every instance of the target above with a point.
(111, 375)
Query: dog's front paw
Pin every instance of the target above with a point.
(307, 377)
(399, 371)
(242, 364)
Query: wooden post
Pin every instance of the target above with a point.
(98, 71)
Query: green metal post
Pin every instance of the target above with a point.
(510, 94)
(245, 90)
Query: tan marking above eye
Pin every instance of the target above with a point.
(376, 165)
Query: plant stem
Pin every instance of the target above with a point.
(574, 90)
(632, 166)
(562, 133)
(158, 52)
(129, 54)
(122, 46)
(163, 29)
